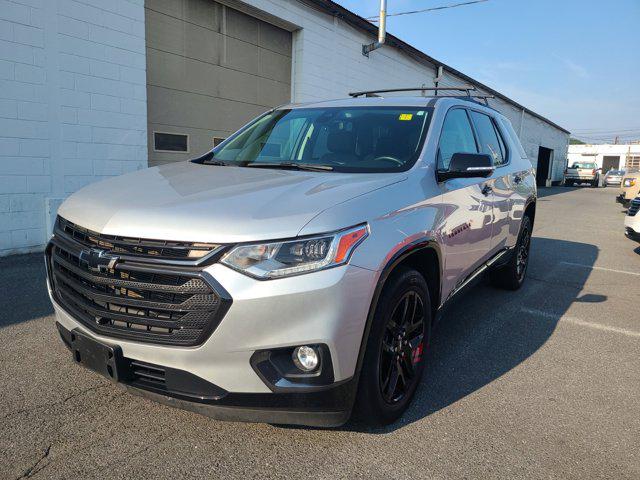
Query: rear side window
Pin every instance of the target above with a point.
(507, 127)
(456, 137)
(490, 142)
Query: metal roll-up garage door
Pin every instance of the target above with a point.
(210, 69)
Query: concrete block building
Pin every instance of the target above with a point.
(607, 156)
(91, 89)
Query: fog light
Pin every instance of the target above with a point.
(306, 358)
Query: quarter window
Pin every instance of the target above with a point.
(456, 137)
(490, 142)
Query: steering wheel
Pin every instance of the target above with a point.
(386, 158)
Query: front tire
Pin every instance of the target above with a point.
(512, 275)
(395, 352)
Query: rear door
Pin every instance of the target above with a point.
(467, 205)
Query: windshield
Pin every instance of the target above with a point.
(583, 165)
(616, 172)
(349, 139)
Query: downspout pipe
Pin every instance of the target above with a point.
(382, 31)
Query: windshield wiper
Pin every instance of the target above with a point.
(216, 163)
(291, 166)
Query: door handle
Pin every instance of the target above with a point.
(486, 190)
(517, 179)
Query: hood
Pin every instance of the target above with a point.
(203, 203)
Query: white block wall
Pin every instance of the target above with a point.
(72, 106)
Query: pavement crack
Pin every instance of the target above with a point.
(36, 467)
(59, 402)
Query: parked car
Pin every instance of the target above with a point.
(613, 177)
(629, 187)
(632, 220)
(582, 172)
(294, 273)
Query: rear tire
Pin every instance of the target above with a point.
(395, 351)
(512, 275)
(568, 183)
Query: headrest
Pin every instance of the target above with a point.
(341, 142)
(393, 147)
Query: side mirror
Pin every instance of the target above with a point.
(468, 165)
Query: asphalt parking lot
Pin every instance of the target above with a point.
(543, 382)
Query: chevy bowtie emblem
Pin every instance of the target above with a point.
(97, 260)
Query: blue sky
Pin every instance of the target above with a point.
(575, 62)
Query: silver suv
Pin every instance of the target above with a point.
(295, 273)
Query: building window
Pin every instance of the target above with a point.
(217, 141)
(170, 142)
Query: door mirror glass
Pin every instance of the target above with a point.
(468, 165)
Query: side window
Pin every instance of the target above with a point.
(456, 137)
(490, 142)
(506, 126)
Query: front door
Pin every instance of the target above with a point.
(467, 206)
(490, 141)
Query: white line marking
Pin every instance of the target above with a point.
(601, 268)
(582, 323)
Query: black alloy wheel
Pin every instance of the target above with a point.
(396, 348)
(522, 254)
(402, 347)
(511, 276)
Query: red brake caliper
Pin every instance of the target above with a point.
(417, 353)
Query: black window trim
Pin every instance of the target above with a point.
(499, 133)
(188, 150)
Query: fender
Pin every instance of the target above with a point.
(396, 259)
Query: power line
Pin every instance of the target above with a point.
(633, 134)
(608, 131)
(443, 7)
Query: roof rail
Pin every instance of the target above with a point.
(467, 90)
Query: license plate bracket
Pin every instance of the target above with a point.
(104, 359)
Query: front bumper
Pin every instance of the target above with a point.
(328, 407)
(326, 308)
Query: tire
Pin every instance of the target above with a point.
(568, 183)
(512, 275)
(379, 401)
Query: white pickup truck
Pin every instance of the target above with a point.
(582, 172)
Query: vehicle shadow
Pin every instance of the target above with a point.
(489, 332)
(555, 190)
(24, 289)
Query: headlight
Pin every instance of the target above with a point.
(293, 257)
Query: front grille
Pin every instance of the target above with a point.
(146, 303)
(133, 246)
(634, 207)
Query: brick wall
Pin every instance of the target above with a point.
(72, 106)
